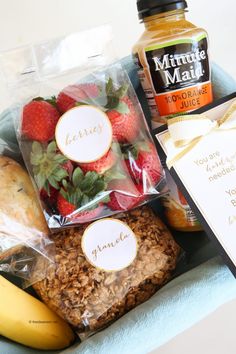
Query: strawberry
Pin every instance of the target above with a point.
(121, 112)
(49, 197)
(79, 191)
(39, 121)
(76, 93)
(88, 215)
(143, 163)
(125, 195)
(65, 102)
(65, 208)
(102, 165)
(125, 125)
(68, 167)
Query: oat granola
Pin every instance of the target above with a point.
(89, 298)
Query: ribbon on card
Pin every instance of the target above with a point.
(185, 132)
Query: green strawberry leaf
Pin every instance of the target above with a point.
(59, 174)
(52, 148)
(37, 148)
(53, 182)
(131, 153)
(77, 176)
(46, 164)
(47, 188)
(129, 150)
(35, 159)
(114, 96)
(52, 101)
(76, 197)
(90, 178)
(112, 102)
(63, 193)
(64, 183)
(40, 180)
(114, 173)
(119, 93)
(59, 159)
(98, 187)
(122, 91)
(39, 98)
(109, 87)
(122, 108)
(83, 189)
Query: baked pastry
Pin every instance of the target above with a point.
(21, 217)
(90, 298)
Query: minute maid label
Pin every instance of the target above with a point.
(180, 75)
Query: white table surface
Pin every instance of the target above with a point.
(213, 335)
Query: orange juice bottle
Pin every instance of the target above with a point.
(172, 59)
(178, 213)
(173, 66)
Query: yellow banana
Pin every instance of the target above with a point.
(28, 321)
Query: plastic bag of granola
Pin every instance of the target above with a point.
(105, 269)
(81, 129)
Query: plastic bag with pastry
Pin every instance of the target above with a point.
(23, 231)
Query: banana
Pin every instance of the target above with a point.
(28, 321)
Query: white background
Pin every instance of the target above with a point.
(25, 21)
(213, 335)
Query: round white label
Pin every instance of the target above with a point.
(84, 134)
(109, 245)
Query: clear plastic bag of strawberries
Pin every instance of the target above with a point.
(81, 130)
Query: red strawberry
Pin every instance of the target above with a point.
(76, 93)
(146, 166)
(102, 165)
(88, 215)
(50, 198)
(65, 208)
(125, 195)
(65, 102)
(68, 166)
(39, 121)
(125, 125)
